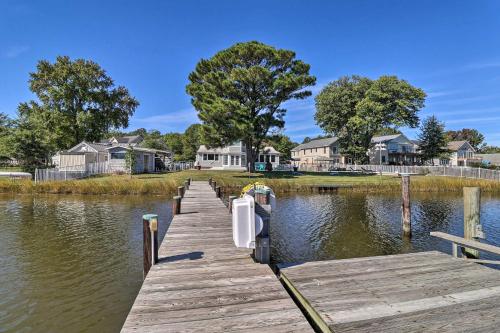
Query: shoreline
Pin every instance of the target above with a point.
(231, 181)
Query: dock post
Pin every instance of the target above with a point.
(210, 181)
(262, 240)
(150, 241)
(218, 191)
(176, 205)
(406, 207)
(214, 184)
(180, 191)
(230, 203)
(472, 206)
(186, 184)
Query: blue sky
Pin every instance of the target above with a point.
(451, 49)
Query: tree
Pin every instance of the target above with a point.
(153, 139)
(78, 100)
(471, 135)
(306, 140)
(174, 143)
(131, 160)
(355, 108)
(387, 131)
(6, 129)
(191, 141)
(432, 139)
(239, 93)
(490, 150)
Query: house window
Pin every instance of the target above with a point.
(324, 150)
(210, 157)
(334, 150)
(243, 160)
(118, 156)
(261, 158)
(383, 159)
(225, 160)
(273, 158)
(316, 149)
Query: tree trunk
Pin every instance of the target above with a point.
(250, 157)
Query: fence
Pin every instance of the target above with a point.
(179, 166)
(465, 172)
(71, 172)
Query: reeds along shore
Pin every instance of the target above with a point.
(232, 182)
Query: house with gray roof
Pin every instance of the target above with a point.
(233, 157)
(318, 152)
(111, 153)
(490, 159)
(460, 153)
(394, 149)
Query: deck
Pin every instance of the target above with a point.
(419, 292)
(204, 284)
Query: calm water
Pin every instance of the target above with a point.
(74, 263)
(69, 263)
(335, 226)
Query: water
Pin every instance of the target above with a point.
(69, 263)
(74, 263)
(347, 225)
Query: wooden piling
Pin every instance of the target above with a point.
(230, 204)
(176, 205)
(186, 184)
(406, 207)
(218, 191)
(150, 241)
(210, 181)
(472, 206)
(180, 191)
(214, 185)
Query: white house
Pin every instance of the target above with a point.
(394, 149)
(110, 155)
(461, 153)
(233, 157)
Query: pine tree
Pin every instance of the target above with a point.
(432, 139)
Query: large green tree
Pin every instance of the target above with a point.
(191, 141)
(77, 101)
(6, 130)
(239, 93)
(432, 139)
(355, 108)
(283, 144)
(174, 143)
(153, 139)
(473, 136)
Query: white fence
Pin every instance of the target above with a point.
(71, 172)
(465, 172)
(179, 166)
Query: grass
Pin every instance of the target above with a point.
(166, 184)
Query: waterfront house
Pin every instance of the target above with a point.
(318, 152)
(394, 149)
(233, 157)
(110, 155)
(490, 159)
(460, 153)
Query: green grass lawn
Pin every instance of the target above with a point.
(232, 181)
(10, 169)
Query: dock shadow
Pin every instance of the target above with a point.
(186, 256)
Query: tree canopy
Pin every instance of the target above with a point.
(355, 108)
(77, 101)
(239, 92)
(283, 144)
(473, 136)
(432, 139)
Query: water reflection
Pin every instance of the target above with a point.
(71, 264)
(347, 225)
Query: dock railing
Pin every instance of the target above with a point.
(459, 245)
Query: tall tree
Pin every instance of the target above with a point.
(78, 99)
(283, 144)
(5, 133)
(473, 136)
(355, 108)
(239, 93)
(153, 139)
(432, 139)
(174, 143)
(191, 141)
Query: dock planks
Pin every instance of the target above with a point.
(419, 292)
(203, 283)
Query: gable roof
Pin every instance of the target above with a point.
(456, 145)
(97, 147)
(317, 143)
(127, 139)
(385, 138)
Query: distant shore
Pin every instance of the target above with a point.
(231, 181)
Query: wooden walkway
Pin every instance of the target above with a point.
(419, 292)
(204, 284)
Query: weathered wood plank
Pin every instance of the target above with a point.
(418, 292)
(204, 284)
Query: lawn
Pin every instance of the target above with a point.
(166, 184)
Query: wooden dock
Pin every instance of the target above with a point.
(204, 284)
(419, 292)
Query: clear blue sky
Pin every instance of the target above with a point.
(451, 49)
